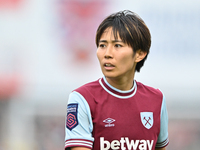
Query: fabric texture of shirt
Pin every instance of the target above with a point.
(100, 116)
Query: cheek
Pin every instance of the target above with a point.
(128, 61)
(98, 55)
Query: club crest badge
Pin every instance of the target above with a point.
(72, 119)
(147, 119)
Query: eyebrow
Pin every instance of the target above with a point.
(114, 41)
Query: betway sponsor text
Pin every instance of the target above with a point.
(125, 143)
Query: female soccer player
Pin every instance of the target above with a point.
(116, 111)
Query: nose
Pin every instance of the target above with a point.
(108, 52)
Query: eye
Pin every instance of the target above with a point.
(118, 45)
(102, 45)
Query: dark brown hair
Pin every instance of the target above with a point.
(131, 29)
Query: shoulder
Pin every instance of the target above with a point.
(90, 91)
(142, 88)
(91, 86)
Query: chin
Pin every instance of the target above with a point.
(109, 75)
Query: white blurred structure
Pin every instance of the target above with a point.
(45, 72)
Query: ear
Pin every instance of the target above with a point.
(140, 55)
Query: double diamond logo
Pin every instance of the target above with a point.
(109, 122)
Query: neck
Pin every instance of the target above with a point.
(123, 84)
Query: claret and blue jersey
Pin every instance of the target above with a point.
(100, 116)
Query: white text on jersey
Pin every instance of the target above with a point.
(131, 145)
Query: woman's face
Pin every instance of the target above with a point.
(117, 59)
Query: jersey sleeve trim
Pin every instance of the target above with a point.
(163, 139)
(78, 143)
(80, 135)
(162, 144)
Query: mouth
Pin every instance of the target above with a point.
(108, 65)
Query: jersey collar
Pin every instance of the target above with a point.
(116, 92)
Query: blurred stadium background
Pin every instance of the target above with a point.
(47, 49)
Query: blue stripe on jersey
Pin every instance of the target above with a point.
(120, 91)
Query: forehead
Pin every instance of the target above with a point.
(109, 34)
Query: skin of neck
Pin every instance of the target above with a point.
(123, 82)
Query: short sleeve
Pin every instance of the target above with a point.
(163, 139)
(79, 126)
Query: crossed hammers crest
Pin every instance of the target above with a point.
(147, 121)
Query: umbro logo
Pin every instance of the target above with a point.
(109, 122)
